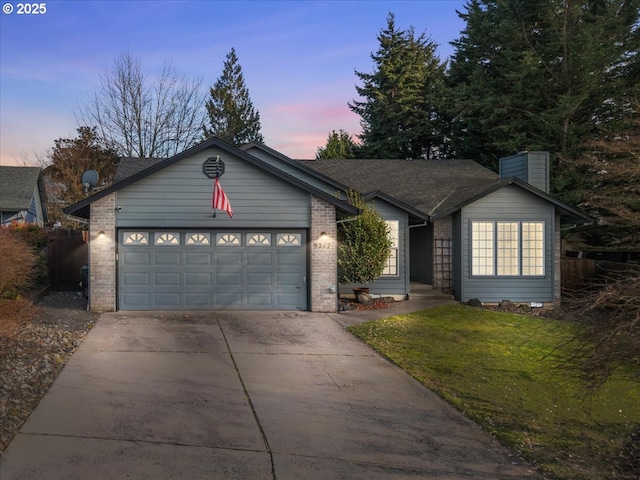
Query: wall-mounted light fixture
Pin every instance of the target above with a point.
(323, 234)
(101, 234)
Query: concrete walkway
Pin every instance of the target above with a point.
(245, 395)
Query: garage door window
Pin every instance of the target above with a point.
(228, 239)
(136, 238)
(167, 239)
(258, 240)
(289, 239)
(197, 239)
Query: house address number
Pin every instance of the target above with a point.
(321, 245)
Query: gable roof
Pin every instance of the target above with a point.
(17, 185)
(131, 173)
(463, 196)
(421, 184)
(433, 188)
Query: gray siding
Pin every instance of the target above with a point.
(421, 260)
(399, 284)
(531, 167)
(539, 170)
(180, 195)
(515, 166)
(508, 204)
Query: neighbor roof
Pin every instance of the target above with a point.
(128, 166)
(17, 185)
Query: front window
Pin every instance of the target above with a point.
(532, 248)
(507, 248)
(482, 246)
(392, 261)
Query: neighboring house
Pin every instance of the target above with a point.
(155, 242)
(22, 195)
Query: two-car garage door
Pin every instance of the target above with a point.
(205, 269)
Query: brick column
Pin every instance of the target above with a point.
(324, 256)
(102, 255)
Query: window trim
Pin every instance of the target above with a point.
(394, 251)
(494, 254)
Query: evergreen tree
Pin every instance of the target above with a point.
(540, 74)
(232, 117)
(399, 110)
(339, 145)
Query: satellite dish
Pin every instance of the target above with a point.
(89, 180)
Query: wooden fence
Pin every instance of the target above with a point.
(577, 271)
(67, 252)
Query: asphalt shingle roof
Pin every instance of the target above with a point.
(422, 184)
(128, 166)
(17, 185)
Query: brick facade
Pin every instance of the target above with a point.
(102, 255)
(324, 256)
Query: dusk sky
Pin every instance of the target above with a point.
(298, 59)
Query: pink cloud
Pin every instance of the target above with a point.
(298, 129)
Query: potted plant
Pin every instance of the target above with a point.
(363, 246)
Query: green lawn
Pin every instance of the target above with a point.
(505, 371)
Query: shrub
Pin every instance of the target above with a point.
(363, 245)
(17, 264)
(33, 235)
(609, 339)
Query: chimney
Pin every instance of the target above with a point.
(531, 167)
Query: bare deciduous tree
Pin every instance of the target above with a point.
(141, 117)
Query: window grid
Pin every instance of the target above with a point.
(197, 239)
(532, 248)
(228, 239)
(136, 238)
(518, 248)
(507, 246)
(391, 268)
(167, 239)
(258, 240)
(289, 240)
(482, 246)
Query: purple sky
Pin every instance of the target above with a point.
(298, 59)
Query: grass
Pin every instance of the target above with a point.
(508, 373)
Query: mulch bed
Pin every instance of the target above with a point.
(36, 341)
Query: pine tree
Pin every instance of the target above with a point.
(399, 110)
(232, 117)
(540, 74)
(339, 145)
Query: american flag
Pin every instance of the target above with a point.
(220, 199)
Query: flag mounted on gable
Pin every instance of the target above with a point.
(220, 199)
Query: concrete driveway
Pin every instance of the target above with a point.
(244, 395)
